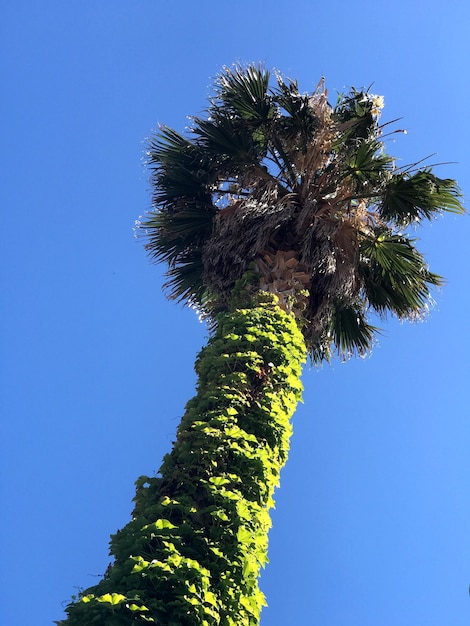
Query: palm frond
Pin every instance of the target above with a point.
(395, 275)
(321, 350)
(169, 147)
(179, 168)
(368, 165)
(287, 94)
(354, 117)
(300, 122)
(179, 182)
(171, 234)
(232, 142)
(420, 196)
(350, 330)
(184, 281)
(244, 92)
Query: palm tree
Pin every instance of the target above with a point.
(284, 222)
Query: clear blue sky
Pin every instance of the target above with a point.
(372, 523)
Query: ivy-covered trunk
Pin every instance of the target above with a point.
(198, 537)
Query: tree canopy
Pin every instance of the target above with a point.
(300, 195)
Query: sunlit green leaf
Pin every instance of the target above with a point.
(111, 598)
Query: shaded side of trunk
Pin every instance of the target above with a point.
(192, 553)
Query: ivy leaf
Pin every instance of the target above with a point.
(218, 480)
(163, 523)
(243, 535)
(135, 607)
(210, 598)
(112, 598)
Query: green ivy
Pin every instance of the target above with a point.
(192, 553)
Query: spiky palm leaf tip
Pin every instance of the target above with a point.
(304, 194)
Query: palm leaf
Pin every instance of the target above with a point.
(179, 168)
(179, 182)
(172, 233)
(300, 120)
(244, 92)
(353, 115)
(170, 148)
(412, 198)
(350, 330)
(233, 143)
(395, 275)
(368, 165)
(184, 282)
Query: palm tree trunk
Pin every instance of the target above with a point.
(198, 537)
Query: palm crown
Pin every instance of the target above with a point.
(296, 197)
